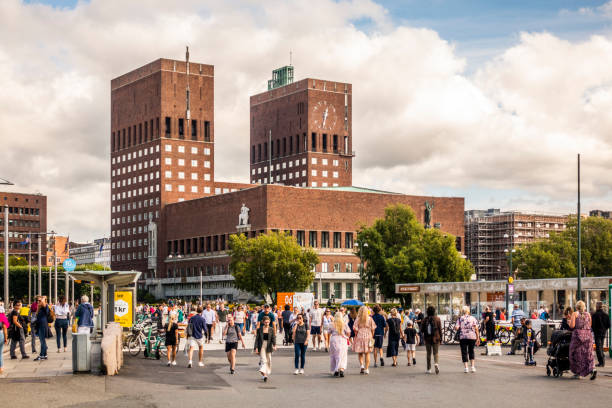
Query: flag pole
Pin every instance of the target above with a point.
(29, 269)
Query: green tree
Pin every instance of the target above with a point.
(271, 263)
(557, 256)
(398, 249)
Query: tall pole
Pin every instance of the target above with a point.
(200, 285)
(39, 265)
(29, 268)
(55, 278)
(579, 291)
(6, 255)
(66, 282)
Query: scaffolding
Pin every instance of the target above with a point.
(490, 236)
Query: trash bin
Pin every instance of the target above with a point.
(81, 347)
(546, 332)
(96, 355)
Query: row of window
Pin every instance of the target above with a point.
(181, 175)
(149, 130)
(134, 193)
(181, 149)
(181, 162)
(137, 154)
(22, 210)
(291, 163)
(146, 216)
(130, 256)
(323, 238)
(133, 206)
(284, 147)
(337, 292)
(22, 223)
(302, 184)
(136, 179)
(133, 243)
(134, 167)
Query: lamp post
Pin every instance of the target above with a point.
(365, 245)
(6, 246)
(509, 250)
(200, 285)
(579, 268)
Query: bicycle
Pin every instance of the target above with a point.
(505, 334)
(154, 345)
(135, 340)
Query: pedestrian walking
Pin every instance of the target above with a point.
(418, 321)
(581, 345)
(300, 343)
(411, 338)
(489, 324)
(379, 334)
(42, 325)
(315, 317)
(467, 325)
(600, 325)
(196, 330)
(222, 313)
(265, 345)
(16, 331)
(394, 325)
(232, 334)
(431, 331)
(3, 339)
(363, 344)
(84, 315)
(62, 321)
(32, 320)
(338, 345)
(326, 324)
(352, 316)
(172, 338)
(210, 317)
(286, 320)
(240, 319)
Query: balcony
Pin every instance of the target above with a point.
(347, 154)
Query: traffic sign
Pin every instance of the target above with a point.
(510, 289)
(69, 265)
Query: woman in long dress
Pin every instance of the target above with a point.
(364, 333)
(581, 358)
(338, 345)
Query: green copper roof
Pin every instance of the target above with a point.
(354, 189)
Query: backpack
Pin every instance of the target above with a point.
(430, 326)
(190, 329)
(50, 315)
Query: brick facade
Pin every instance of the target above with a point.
(198, 231)
(301, 134)
(27, 216)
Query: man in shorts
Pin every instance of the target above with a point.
(196, 329)
(316, 318)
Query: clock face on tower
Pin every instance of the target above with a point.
(324, 116)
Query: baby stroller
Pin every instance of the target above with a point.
(558, 352)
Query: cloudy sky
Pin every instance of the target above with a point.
(465, 98)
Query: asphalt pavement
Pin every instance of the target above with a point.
(500, 381)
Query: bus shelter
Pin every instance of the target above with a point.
(109, 282)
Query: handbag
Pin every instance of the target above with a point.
(371, 343)
(457, 336)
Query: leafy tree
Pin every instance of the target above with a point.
(557, 257)
(398, 249)
(271, 263)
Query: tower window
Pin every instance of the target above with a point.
(181, 128)
(206, 131)
(314, 141)
(335, 143)
(168, 126)
(324, 147)
(194, 129)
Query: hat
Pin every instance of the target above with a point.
(266, 305)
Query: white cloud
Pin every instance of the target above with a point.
(419, 120)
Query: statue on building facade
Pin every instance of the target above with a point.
(243, 218)
(428, 209)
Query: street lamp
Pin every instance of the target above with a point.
(509, 250)
(6, 246)
(365, 245)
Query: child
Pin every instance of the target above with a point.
(411, 338)
(529, 343)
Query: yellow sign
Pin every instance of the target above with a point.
(510, 279)
(123, 308)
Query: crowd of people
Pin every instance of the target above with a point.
(37, 320)
(336, 331)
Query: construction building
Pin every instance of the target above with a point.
(491, 236)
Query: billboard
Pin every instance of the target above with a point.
(123, 308)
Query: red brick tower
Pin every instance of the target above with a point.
(301, 133)
(162, 151)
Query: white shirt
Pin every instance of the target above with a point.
(239, 316)
(61, 311)
(209, 316)
(315, 316)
